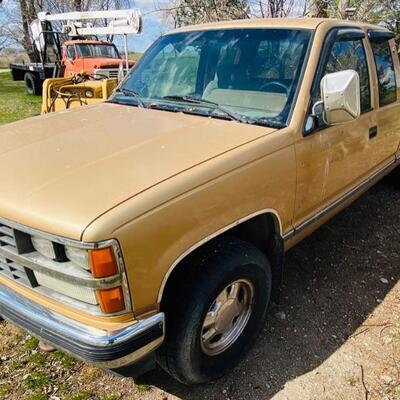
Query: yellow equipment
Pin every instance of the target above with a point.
(64, 93)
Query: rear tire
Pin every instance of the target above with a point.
(229, 268)
(32, 84)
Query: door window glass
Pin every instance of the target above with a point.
(351, 55)
(385, 71)
(71, 52)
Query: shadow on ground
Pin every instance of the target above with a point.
(332, 282)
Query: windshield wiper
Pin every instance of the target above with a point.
(195, 100)
(132, 93)
(269, 122)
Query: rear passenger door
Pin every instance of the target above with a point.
(387, 135)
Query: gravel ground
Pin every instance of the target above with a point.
(335, 335)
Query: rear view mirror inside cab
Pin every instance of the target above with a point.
(340, 94)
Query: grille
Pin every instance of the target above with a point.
(9, 268)
(7, 237)
(111, 73)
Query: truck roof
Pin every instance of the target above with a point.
(300, 23)
(87, 41)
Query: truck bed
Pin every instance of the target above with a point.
(43, 71)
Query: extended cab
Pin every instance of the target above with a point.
(155, 224)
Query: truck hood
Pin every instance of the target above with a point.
(105, 63)
(61, 171)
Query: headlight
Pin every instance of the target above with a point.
(44, 247)
(78, 256)
(84, 294)
(89, 94)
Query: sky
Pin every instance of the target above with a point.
(154, 24)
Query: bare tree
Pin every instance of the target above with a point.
(272, 8)
(28, 14)
(186, 12)
(318, 8)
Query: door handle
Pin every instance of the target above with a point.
(373, 132)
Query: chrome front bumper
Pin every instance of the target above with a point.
(104, 349)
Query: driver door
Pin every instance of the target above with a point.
(69, 60)
(331, 160)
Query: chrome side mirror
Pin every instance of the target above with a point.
(340, 94)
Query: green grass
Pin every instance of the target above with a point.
(15, 103)
(135, 56)
(37, 396)
(31, 343)
(82, 395)
(66, 360)
(5, 388)
(37, 358)
(36, 380)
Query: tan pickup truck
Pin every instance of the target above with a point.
(154, 226)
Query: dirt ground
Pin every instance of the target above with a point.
(335, 335)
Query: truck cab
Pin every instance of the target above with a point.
(92, 57)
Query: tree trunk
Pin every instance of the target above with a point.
(28, 14)
(78, 5)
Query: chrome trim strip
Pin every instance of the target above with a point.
(360, 187)
(74, 331)
(212, 236)
(103, 283)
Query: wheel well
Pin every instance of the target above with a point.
(263, 231)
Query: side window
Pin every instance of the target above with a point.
(385, 70)
(351, 55)
(71, 52)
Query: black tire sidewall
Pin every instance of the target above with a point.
(197, 366)
(32, 84)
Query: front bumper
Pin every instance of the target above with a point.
(104, 349)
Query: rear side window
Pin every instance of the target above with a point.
(351, 55)
(385, 71)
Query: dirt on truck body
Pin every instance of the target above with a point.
(154, 226)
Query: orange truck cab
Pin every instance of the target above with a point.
(93, 57)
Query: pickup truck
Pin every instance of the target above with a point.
(153, 227)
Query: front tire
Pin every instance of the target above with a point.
(212, 319)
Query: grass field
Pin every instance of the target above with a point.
(15, 103)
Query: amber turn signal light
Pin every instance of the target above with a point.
(103, 262)
(111, 300)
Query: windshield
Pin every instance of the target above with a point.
(252, 74)
(97, 50)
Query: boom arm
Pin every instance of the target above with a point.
(121, 22)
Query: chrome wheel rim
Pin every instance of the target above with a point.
(227, 317)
